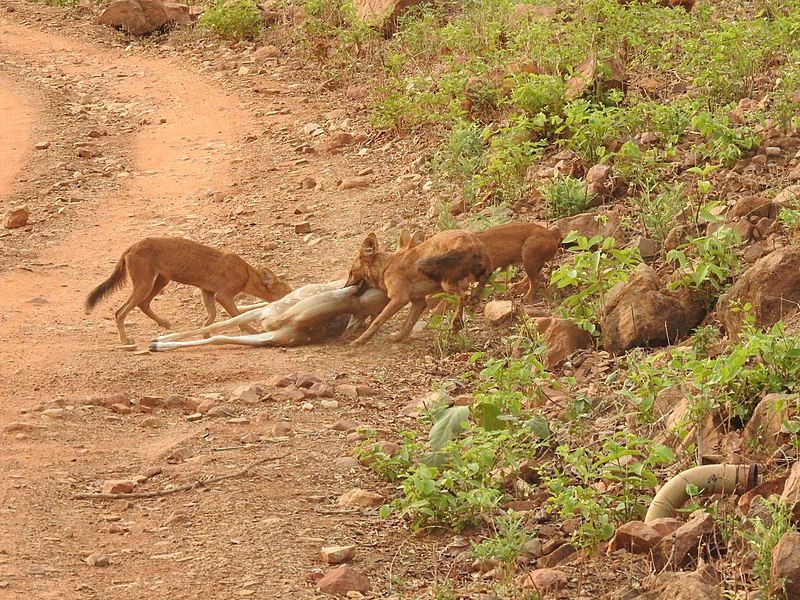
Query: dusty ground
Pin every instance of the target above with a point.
(187, 147)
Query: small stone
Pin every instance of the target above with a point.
(250, 438)
(302, 227)
(176, 516)
(635, 537)
(281, 429)
(329, 404)
(151, 472)
(364, 391)
(116, 528)
(221, 411)
(151, 402)
(342, 580)
(121, 409)
(333, 555)
(97, 559)
(248, 394)
(348, 390)
(542, 580)
(41, 146)
(785, 572)
(18, 426)
(205, 406)
(54, 413)
(194, 417)
(346, 463)
(346, 425)
(498, 312)
(243, 71)
(179, 455)
(354, 182)
(306, 406)
(16, 217)
(152, 422)
(361, 498)
(118, 486)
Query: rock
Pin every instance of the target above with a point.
(754, 206)
(787, 196)
(54, 413)
(649, 249)
(151, 402)
(41, 146)
(498, 312)
(361, 498)
(354, 182)
(333, 555)
(16, 217)
(561, 554)
(589, 225)
(137, 17)
(268, 52)
(320, 390)
(542, 580)
(338, 139)
(429, 401)
(681, 586)
(791, 491)
(764, 431)
(179, 455)
(205, 406)
(97, 559)
(346, 425)
(766, 489)
(346, 463)
(771, 285)
(562, 339)
(635, 537)
(665, 525)
(673, 550)
(342, 580)
(302, 227)
(118, 486)
(785, 572)
(175, 517)
(17, 426)
(221, 411)
(365, 391)
(640, 312)
(599, 184)
(596, 76)
(248, 394)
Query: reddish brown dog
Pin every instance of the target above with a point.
(417, 269)
(526, 243)
(154, 262)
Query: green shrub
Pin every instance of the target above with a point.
(564, 196)
(233, 19)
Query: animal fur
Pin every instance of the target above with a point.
(153, 262)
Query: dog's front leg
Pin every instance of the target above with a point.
(387, 313)
(417, 308)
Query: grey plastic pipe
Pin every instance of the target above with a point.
(713, 479)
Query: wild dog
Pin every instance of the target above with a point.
(417, 269)
(526, 243)
(308, 314)
(153, 262)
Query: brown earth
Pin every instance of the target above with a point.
(187, 146)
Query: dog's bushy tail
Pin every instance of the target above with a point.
(113, 283)
(454, 265)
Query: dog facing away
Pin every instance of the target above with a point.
(527, 243)
(417, 269)
(153, 262)
(308, 314)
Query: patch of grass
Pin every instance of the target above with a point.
(233, 19)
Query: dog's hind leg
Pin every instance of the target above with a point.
(158, 285)
(139, 297)
(253, 315)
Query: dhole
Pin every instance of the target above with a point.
(526, 243)
(153, 262)
(417, 269)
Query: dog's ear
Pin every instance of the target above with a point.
(404, 240)
(369, 247)
(416, 239)
(268, 277)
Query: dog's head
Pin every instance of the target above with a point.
(276, 287)
(366, 268)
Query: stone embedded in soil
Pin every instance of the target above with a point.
(635, 537)
(673, 550)
(281, 429)
(354, 183)
(329, 404)
(346, 425)
(785, 572)
(205, 406)
(97, 559)
(346, 463)
(498, 312)
(342, 580)
(334, 555)
(118, 486)
(41, 146)
(302, 227)
(18, 426)
(152, 422)
(248, 394)
(361, 499)
(665, 525)
(16, 217)
(542, 580)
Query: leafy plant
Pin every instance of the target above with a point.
(508, 541)
(564, 196)
(763, 534)
(593, 268)
(233, 19)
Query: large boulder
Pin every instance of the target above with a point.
(641, 312)
(562, 338)
(143, 17)
(785, 572)
(771, 286)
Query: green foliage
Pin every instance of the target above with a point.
(507, 543)
(625, 464)
(707, 264)
(593, 267)
(564, 197)
(233, 19)
(763, 534)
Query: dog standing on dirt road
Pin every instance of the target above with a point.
(526, 243)
(417, 269)
(153, 262)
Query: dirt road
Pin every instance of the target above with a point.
(152, 140)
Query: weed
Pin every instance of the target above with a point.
(564, 196)
(593, 268)
(233, 19)
(508, 541)
(763, 534)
